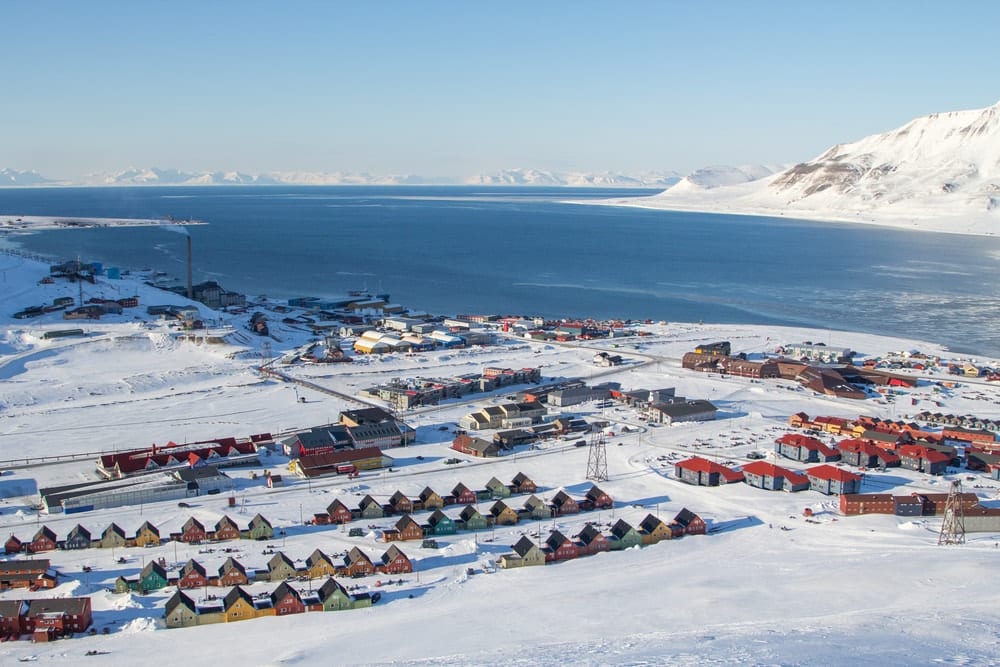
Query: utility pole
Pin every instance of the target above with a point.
(597, 461)
(953, 526)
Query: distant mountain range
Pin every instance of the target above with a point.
(524, 177)
(939, 172)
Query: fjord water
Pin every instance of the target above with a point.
(523, 250)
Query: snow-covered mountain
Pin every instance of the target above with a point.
(708, 178)
(575, 179)
(15, 177)
(939, 172)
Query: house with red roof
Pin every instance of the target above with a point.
(832, 480)
(800, 447)
(924, 459)
(703, 472)
(764, 475)
(866, 454)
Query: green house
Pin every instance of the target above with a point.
(497, 489)
(260, 529)
(441, 524)
(624, 536)
(334, 597)
(370, 508)
(473, 519)
(153, 577)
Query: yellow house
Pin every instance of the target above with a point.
(238, 605)
(147, 535)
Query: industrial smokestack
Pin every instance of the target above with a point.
(190, 286)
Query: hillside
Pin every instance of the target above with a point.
(936, 173)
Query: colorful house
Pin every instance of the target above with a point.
(147, 536)
(526, 553)
(503, 515)
(624, 536)
(472, 519)
(559, 547)
(319, 565)
(394, 561)
(592, 540)
(358, 564)
(440, 523)
(400, 504)
(537, 508)
(653, 529)
(44, 540)
(523, 484)
(113, 537)
(238, 605)
(286, 600)
(193, 532)
(598, 499)
(232, 573)
(180, 611)
(13, 545)
(563, 504)
(260, 529)
(334, 597)
(339, 512)
(463, 495)
(431, 499)
(497, 489)
(226, 529)
(924, 459)
(370, 508)
(78, 538)
(690, 522)
(406, 529)
(280, 567)
(193, 575)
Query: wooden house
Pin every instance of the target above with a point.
(406, 529)
(51, 618)
(503, 515)
(12, 618)
(497, 489)
(394, 561)
(358, 564)
(338, 512)
(523, 484)
(280, 567)
(260, 529)
(624, 536)
(13, 545)
(113, 537)
(286, 600)
(319, 565)
(44, 540)
(226, 529)
(193, 532)
(702, 472)
(193, 575)
(152, 578)
(526, 553)
(370, 508)
(537, 508)
(180, 611)
(653, 529)
(232, 573)
(400, 504)
(147, 536)
(592, 540)
(563, 504)
(472, 519)
(598, 499)
(33, 574)
(78, 538)
(691, 522)
(431, 499)
(559, 547)
(334, 597)
(440, 523)
(463, 495)
(238, 605)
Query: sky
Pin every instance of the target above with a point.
(460, 88)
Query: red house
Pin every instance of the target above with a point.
(193, 532)
(193, 575)
(598, 499)
(394, 561)
(226, 529)
(50, 618)
(13, 545)
(44, 540)
(691, 522)
(286, 600)
(339, 512)
(563, 504)
(523, 484)
(463, 495)
(357, 563)
(592, 541)
(232, 573)
(400, 504)
(406, 529)
(559, 547)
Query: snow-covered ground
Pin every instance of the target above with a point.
(767, 588)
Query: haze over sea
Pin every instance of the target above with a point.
(522, 250)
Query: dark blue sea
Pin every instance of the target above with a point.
(522, 250)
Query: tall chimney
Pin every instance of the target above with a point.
(190, 286)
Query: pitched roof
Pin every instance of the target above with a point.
(523, 546)
(234, 595)
(231, 564)
(193, 566)
(178, 599)
(812, 444)
(832, 473)
(699, 464)
(392, 552)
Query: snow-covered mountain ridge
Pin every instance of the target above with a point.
(936, 173)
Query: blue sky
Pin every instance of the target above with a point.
(457, 88)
